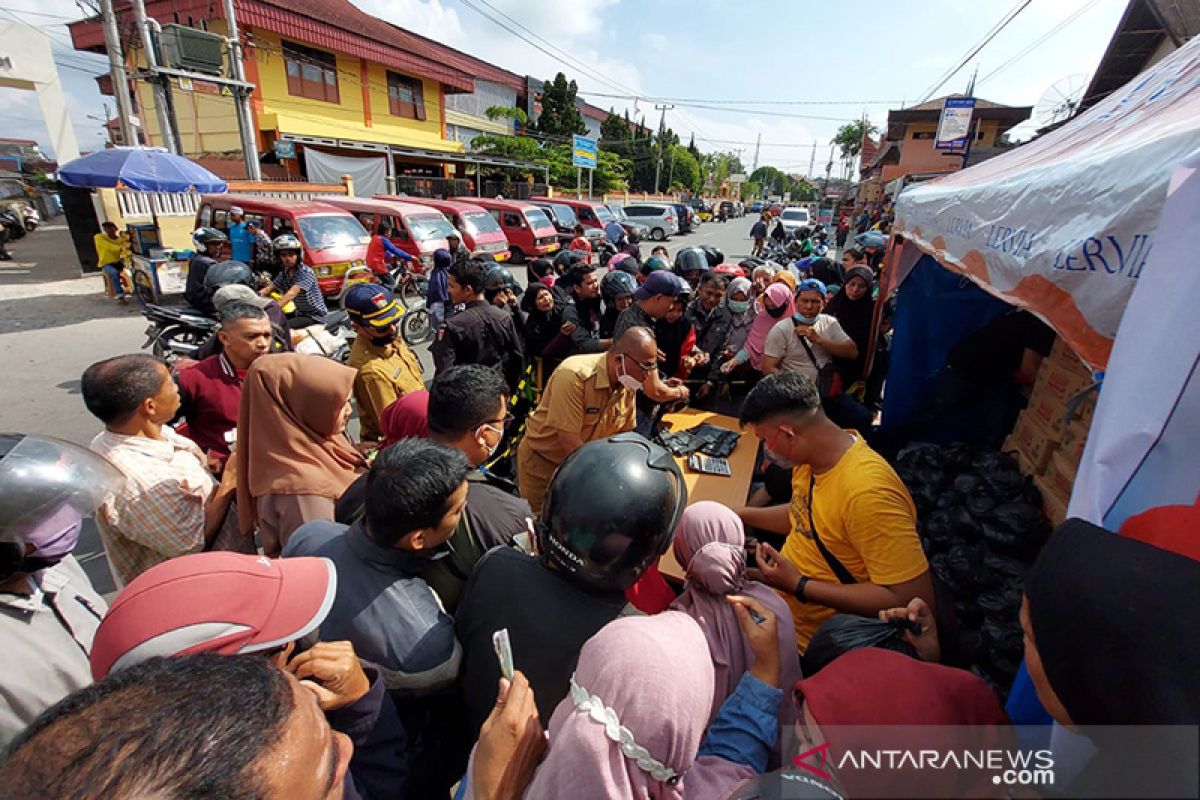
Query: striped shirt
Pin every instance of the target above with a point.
(310, 302)
(159, 512)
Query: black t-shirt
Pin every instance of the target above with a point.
(994, 352)
(548, 619)
(194, 291)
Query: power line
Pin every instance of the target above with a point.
(1039, 41)
(991, 34)
(745, 101)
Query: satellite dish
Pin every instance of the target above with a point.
(1060, 102)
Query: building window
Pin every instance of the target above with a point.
(405, 97)
(924, 135)
(311, 73)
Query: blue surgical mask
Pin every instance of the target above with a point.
(739, 306)
(800, 319)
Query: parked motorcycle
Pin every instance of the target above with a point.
(176, 332)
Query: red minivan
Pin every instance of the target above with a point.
(334, 241)
(530, 232)
(481, 233)
(591, 213)
(417, 230)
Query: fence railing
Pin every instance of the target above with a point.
(158, 204)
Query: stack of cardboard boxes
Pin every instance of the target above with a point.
(1050, 434)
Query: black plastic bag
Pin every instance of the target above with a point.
(1005, 602)
(1004, 486)
(966, 529)
(845, 632)
(965, 484)
(939, 527)
(1007, 569)
(948, 500)
(957, 457)
(980, 502)
(1001, 540)
(965, 563)
(1003, 635)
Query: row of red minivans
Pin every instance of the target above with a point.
(335, 231)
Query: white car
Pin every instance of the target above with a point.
(794, 218)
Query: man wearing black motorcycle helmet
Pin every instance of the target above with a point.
(297, 282)
(209, 242)
(690, 264)
(609, 513)
(49, 611)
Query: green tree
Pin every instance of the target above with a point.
(849, 137)
(611, 169)
(614, 129)
(681, 170)
(507, 112)
(695, 151)
(560, 116)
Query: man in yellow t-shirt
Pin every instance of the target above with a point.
(846, 498)
(588, 397)
(111, 252)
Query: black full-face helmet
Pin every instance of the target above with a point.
(610, 511)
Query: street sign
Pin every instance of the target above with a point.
(955, 124)
(737, 177)
(583, 152)
(285, 148)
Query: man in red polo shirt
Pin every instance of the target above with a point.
(210, 390)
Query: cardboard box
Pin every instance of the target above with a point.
(1053, 505)
(1059, 476)
(1013, 448)
(1034, 441)
(1049, 411)
(1061, 381)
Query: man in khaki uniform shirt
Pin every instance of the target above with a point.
(387, 369)
(588, 397)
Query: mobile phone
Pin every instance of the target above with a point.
(503, 648)
(906, 625)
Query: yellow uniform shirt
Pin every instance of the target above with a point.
(385, 374)
(108, 250)
(866, 519)
(578, 398)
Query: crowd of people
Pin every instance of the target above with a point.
(304, 615)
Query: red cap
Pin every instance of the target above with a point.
(225, 603)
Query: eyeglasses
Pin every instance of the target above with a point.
(503, 423)
(646, 366)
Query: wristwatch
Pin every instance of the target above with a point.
(799, 593)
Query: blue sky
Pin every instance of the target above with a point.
(867, 56)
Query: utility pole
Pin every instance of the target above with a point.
(757, 145)
(828, 171)
(662, 128)
(241, 99)
(160, 83)
(116, 66)
(812, 161)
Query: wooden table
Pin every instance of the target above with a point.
(730, 491)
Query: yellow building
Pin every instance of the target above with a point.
(331, 82)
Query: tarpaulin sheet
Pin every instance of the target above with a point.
(1065, 225)
(369, 174)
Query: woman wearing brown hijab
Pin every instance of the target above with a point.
(293, 457)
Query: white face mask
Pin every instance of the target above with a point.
(625, 379)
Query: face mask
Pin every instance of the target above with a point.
(57, 535)
(777, 312)
(739, 306)
(628, 381)
(491, 449)
(803, 320)
(777, 460)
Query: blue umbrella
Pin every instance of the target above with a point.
(143, 169)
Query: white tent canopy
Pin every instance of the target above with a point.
(1064, 225)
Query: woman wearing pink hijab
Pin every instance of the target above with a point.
(710, 546)
(777, 304)
(634, 722)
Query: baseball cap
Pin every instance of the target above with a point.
(237, 293)
(371, 304)
(226, 603)
(658, 282)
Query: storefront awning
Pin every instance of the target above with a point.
(400, 151)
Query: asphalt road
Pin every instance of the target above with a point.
(53, 324)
